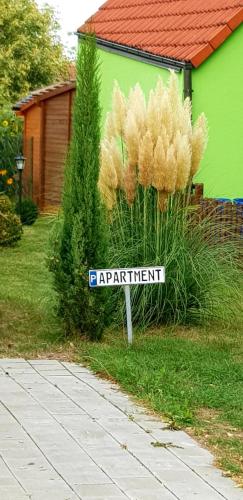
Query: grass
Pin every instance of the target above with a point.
(28, 323)
(193, 377)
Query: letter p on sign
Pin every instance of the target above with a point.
(92, 278)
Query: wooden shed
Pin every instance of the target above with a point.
(47, 115)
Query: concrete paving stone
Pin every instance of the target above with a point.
(89, 439)
(56, 495)
(180, 438)
(7, 480)
(123, 466)
(101, 492)
(76, 422)
(121, 427)
(113, 451)
(98, 409)
(31, 382)
(112, 420)
(95, 406)
(18, 407)
(54, 367)
(192, 455)
(91, 476)
(13, 494)
(75, 368)
(151, 423)
(48, 362)
(144, 488)
(156, 457)
(190, 488)
(55, 377)
(53, 492)
(10, 361)
(3, 410)
(54, 373)
(26, 370)
(63, 409)
(137, 445)
(216, 479)
(162, 495)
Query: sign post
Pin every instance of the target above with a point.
(129, 313)
(126, 278)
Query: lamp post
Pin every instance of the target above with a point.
(20, 163)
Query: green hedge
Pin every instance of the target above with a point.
(10, 225)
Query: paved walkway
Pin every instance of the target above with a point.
(66, 435)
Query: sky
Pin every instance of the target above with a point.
(71, 14)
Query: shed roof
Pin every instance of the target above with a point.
(42, 94)
(183, 30)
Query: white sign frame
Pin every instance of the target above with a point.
(127, 276)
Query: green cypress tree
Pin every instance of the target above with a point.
(81, 243)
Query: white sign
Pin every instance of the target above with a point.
(123, 277)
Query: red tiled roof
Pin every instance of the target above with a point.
(184, 30)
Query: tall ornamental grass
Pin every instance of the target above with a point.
(149, 156)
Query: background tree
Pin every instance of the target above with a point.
(10, 147)
(80, 243)
(31, 54)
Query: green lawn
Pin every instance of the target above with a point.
(193, 377)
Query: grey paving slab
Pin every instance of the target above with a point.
(66, 435)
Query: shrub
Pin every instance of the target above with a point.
(10, 225)
(28, 213)
(10, 146)
(80, 243)
(148, 159)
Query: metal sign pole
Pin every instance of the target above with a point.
(129, 313)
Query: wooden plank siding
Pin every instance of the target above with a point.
(32, 151)
(55, 148)
(47, 117)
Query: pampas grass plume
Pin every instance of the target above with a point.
(183, 160)
(110, 130)
(167, 116)
(145, 160)
(137, 105)
(130, 183)
(152, 118)
(170, 170)
(119, 108)
(108, 181)
(131, 139)
(199, 142)
(159, 166)
(117, 162)
(162, 198)
(174, 95)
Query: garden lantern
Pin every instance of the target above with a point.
(20, 163)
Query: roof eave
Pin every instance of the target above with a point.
(42, 95)
(141, 55)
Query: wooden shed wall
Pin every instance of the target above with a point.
(47, 132)
(32, 136)
(57, 136)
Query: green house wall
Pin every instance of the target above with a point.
(127, 72)
(218, 91)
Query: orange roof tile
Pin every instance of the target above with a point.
(184, 30)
